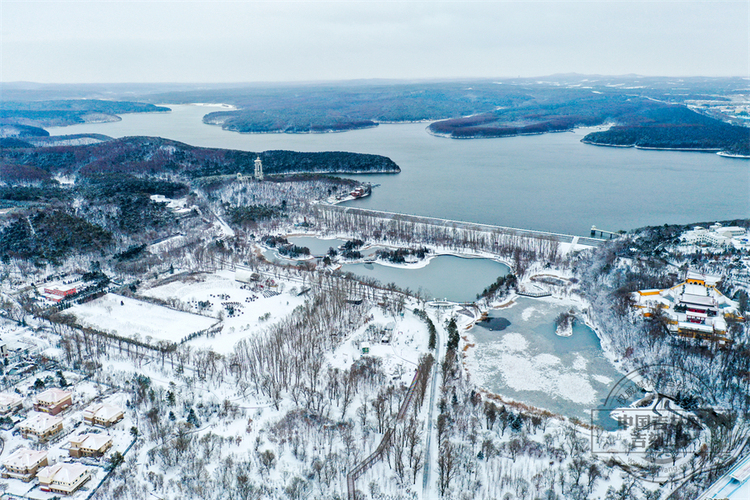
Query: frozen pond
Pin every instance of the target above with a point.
(449, 277)
(523, 359)
(457, 279)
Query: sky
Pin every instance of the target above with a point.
(99, 41)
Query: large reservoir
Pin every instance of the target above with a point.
(550, 182)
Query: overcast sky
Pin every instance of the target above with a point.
(224, 41)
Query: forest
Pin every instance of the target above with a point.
(675, 127)
(69, 112)
(153, 155)
(638, 122)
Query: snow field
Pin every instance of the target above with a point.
(249, 306)
(129, 318)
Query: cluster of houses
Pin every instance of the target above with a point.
(694, 308)
(45, 424)
(716, 235)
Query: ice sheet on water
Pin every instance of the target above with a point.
(522, 370)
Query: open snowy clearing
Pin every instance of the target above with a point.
(251, 310)
(130, 318)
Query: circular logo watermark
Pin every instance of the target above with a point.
(662, 423)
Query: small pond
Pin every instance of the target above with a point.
(519, 356)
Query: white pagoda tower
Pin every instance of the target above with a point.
(258, 169)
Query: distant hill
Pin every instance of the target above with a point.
(338, 107)
(69, 112)
(675, 127)
(154, 155)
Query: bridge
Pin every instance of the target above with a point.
(375, 456)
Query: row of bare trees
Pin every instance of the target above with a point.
(408, 230)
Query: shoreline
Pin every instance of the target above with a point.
(599, 128)
(468, 359)
(733, 156)
(434, 252)
(717, 151)
(309, 132)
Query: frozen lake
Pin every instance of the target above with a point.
(524, 360)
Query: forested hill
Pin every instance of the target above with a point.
(69, 112)
(675, 127)
(154, 155)
(639, 122)
(312, 109)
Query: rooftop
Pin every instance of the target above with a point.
(8, 398)
(90, 441)
(701, 300)
(64, 472)
(52, 396)
(103, 411)
(734, 485)
(40, 422)
(24, 458)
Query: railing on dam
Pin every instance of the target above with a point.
(471, 226)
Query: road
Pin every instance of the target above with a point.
(427, 477)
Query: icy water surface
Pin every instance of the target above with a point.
(526, 361)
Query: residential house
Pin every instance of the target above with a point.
(10, 402)
(63, 478)
(103, 414)
(41, 427)
(53, 401)
(23, 463)
(89, 445)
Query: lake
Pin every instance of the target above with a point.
(457, 279)
(548, 182)
(524, 360)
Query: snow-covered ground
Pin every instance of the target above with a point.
(253, 311)
(128, 317)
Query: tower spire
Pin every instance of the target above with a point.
(258, 169)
